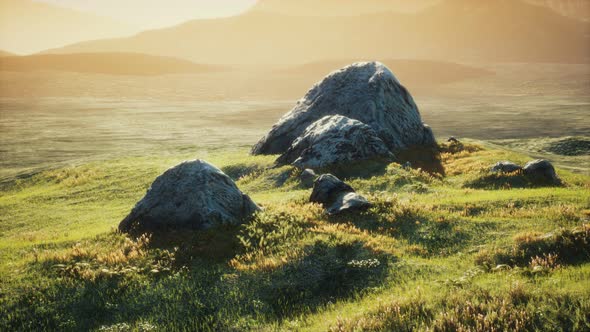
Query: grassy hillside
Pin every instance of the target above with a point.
(471, 250)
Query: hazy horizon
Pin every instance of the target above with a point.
(31, 26)
(263, 31)
(152, 14)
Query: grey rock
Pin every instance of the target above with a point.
(336, 196)
(367, 92)
(348, 202)
(332, 140)
(308, 177)
(327, 188)
(541, 169)
(506, 167)
(194, 194)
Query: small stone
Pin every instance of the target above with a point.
(348, 202)
(337, 196)
(307, 178)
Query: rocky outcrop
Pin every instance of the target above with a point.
(542, 170)
(334, 140)
(367, 92)
(336, 196)
(194, 194)
(506, 167)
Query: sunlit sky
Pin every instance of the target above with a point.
(147, 14)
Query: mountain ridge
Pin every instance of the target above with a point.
(28, 26)
(485, 31)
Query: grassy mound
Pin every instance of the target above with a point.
(443, 251)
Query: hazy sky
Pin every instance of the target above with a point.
(156, 13)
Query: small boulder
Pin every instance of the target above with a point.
(506, 167)
(349, 202)
(308, 177)
(368, 92)
(452, 139)
(336, 196)
(541, 169)
(334, 140)
(194, 195)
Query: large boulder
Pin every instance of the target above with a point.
(542, 170)
(367, 92)
(332, 140)
(194, 194)
(336, 196)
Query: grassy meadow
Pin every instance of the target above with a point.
(470, 251)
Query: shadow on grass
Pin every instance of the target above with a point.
(238, 171)
(426, 158)
(437, 236)
(215, 246)
(567, 246)
(359, 169)
(184, 281)
(187, 299)
(327, 271)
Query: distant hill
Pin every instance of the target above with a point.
(339, 7)
(452, 30)
(579, 9)
(27, 26)
(104, 63)
(505, 30)
(4, 53)
(412, 73)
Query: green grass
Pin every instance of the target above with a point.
(464, 251)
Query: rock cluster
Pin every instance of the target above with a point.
(361, 103)
(194, 194)
(539, 170)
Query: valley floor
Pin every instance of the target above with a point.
(471, 250)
